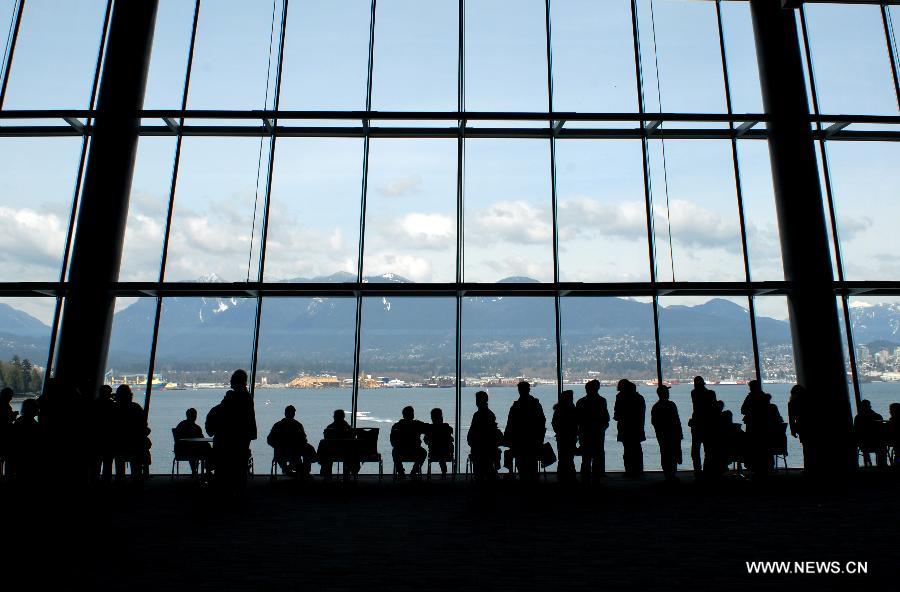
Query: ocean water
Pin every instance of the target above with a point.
(380, 408)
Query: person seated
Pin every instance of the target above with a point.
(26, 442)
(7, 417)
(130, 431)
(193, 451)
(293, 453)
(775, 430)
(893, 431)
(406, 439)
(439, 440)
(868, 427)
(337, 445)
(484, 439)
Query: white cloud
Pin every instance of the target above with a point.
(32, 243)
(417, 269)
(426, 231)
(516, 222)
(402, 186)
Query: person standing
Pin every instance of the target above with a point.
(593, 420)
(630, 412)
(565, 426)
(667, 425)
(484, 439)
(702, 424)
(232, 424)
(526, 427)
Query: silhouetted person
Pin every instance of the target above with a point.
(130, 431)
(526, 427)
(337, 445)
(719, 441)
(757, 418)
(868, 428)
(484, 439)
(702, 419)
(293, 453)
(667, 425)
(630, 412)
(439, 439)
(775, 432)
(102, 433)
(193, 451)
(798, 414)
(232, 424)
(565, 426)
(406, 441)
(893, 431)
(7, 417)
(26, 443)
(593, 420)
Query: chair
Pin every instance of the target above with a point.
(450, 458)
(368, 448)
(178, 459)
(779, 447)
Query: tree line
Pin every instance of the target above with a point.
(21, 376)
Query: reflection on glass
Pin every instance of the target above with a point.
(850, 59)
(415, 41)
(865, 181)
(407, 357)
(56, 55)
(314, 210)
(601, 211)
(306, 360)
(593, 56)
(326, 55)
(695, 211)
(36, 189)
(508, 221)
(411, 211)
(201, 342)
(147, 208)
(213, 229)
(506, 55)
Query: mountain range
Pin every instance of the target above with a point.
(312, 332)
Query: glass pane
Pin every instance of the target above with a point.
(416, 41)
(213, 227)
(231, 56)
(740, 54)
(129, 345)
(306, 360)
(850, 59)
(681, 57)
(314, 210)
(407, 357)
(865, 182)
(168, 60)
(25, 327)
(37, 182)
(411, 211)
(505, 340)
(147, 208)
(602, 211)
(201, 342)
(326, 55)
(874, 321)
(509, 225)
(56, 55)
(506, 55)
(760, 218)
(593, 56)
(695, 211)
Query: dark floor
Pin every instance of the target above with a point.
(631, 535)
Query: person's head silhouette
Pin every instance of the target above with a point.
(290, 411)
(30, 409)
(6, 395)
(663, 392)
(754, 387)
(124, 394)
(239, 380)
(894, 411)
(437, 416)
(566, 397)
(719, 406)
(865, 405)
(408, 412)
(699, 383)
(191, 415)
(623, 386)
(481, 400)
(339, 415)
(105, 393)
(592, 387)
(524, 388)
(797, 391)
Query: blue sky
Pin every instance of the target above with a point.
(411, 209)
